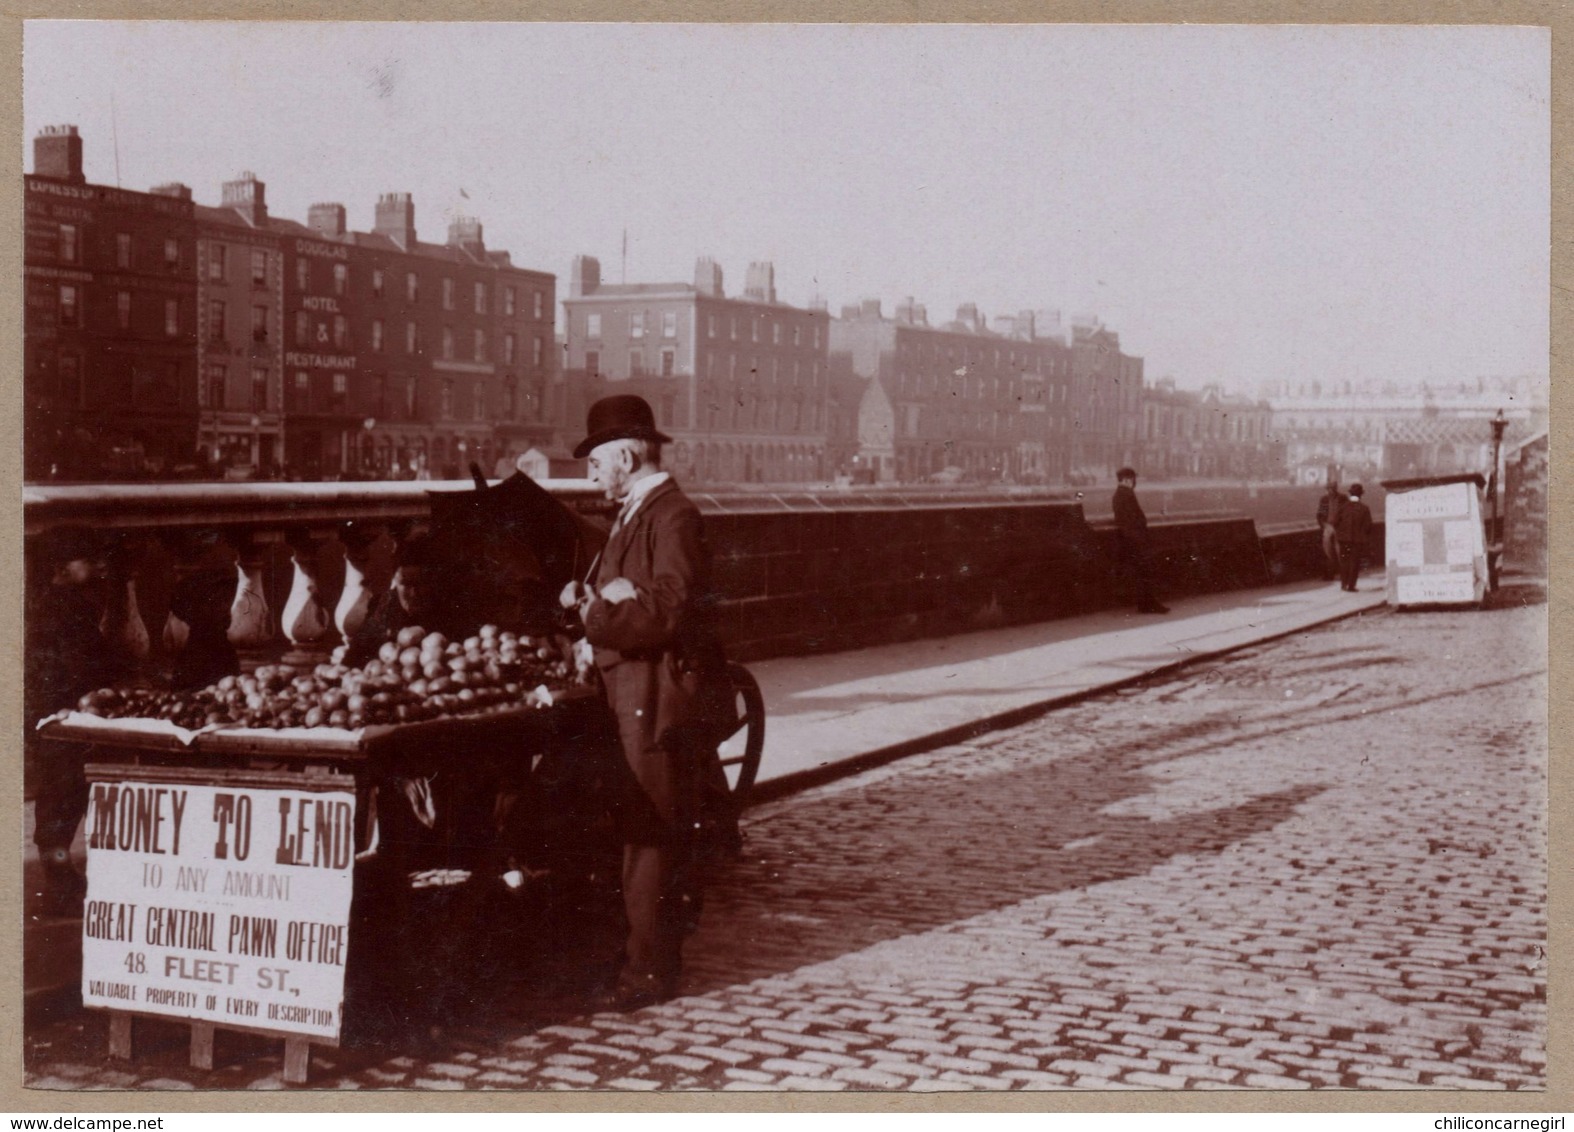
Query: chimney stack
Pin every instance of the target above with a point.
(870, 308)
(326, 220)
(465, 232)
(396, 219)
(584, 276)
(248, 196)
(57, 153)
(172, 189)
(967, 315)
(707, 277)
(760, 284)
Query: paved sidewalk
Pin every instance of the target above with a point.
(822, 711)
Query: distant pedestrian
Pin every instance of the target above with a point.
(1354, 529)
(1328, 507)
(1131, 542)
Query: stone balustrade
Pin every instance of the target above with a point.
(297, 565)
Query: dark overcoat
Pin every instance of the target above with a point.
(655, 652)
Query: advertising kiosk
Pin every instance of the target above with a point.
(1436, 541)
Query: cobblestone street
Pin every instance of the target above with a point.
(1318, 863)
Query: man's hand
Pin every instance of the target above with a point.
(574, 594)
(618, 589)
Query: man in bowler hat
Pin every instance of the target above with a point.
(1353, 525)
(644, 615)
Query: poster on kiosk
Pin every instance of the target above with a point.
(1436, 542)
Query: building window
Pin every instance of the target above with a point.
(448, 343)
(341, 330)
(710, 325)
(734, 328)
(754, 330)
(377, 335)
(776, 334)
(817, 337)
(341, 390)
(409, 399)
(377, 282)
(797, 334)
(480, 298)
(303, 328)
(536, 350)
(669, 360)
(217, 376)
(478, 402)
(172, 252)
(412, 287)
(70, 248)
(71, 379)
(412, 340)
(592, 362)
(508, 400)
(216, 318)
(636, 362)
(669, 324)
(508, 349)
(218, 260)
(259, 268)
(172, 317)
(123, 309)
(259, 389)
(303, 274)
(509, 297)
(341, 278)
(637, 324)
(259, 324)
(446, 408)
(540, 301)
(123, 250)
(302, 400)
(448, 294)
(480, 345)
(592, 326)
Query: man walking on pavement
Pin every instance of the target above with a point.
(644, 617)
(1354, 529)
(1131, 541)
(1327, 516)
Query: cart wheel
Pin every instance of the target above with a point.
(740, 751)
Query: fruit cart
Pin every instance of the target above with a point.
(298, 849)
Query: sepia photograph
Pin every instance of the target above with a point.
(784, 558)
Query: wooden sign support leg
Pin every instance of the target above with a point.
(120, 1035)
(202, 1045)
(297, 1060)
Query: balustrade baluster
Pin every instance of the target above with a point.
(251, 630)
(368, 571)
(307, 621)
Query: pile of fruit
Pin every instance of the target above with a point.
(417, 676)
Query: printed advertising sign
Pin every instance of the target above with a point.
(1436, 544)
(219, 896)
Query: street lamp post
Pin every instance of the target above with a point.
(1494, 540)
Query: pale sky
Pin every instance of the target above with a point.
(1240, 203)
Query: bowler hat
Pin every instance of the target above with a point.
(1357, 490)
(624, 417)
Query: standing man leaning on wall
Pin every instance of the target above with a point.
(1131, 542)
(1327, 519)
